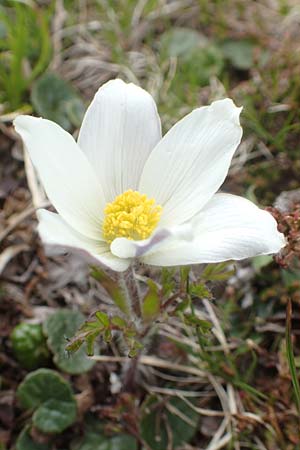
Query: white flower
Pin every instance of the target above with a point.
(124, 192)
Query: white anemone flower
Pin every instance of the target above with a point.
(123, 192)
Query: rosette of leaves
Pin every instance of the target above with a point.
(59, 328)
(51, 399)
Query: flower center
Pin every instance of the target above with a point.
(131, 215)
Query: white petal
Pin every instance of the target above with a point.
(192, 160)
(54, 231)
(126, 248)
(119, 130)
(66, 174)
(228, 227)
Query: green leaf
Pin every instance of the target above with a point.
(94, 439)
(121, 442)
(182, 423)
(58, 327)
(46, 392)
(25, 45)
(29, 345)
(112, 288)
(167, 281)
(261, 261)
(25, 442)
(179, 42)
(90, 343)
(194, 320)
(217, 272)
(239, 53)
(117, 321)
(289, 277)
(42, 385)
(151, 302)
(107, 336)
(54, 99)
(200, 291)
(290, 354)
(198, 58)
(103, 318)
(54, 416)
(134, 348)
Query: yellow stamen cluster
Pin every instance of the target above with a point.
(131, 215)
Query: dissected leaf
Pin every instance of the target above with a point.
(218, 272)
(103, 318)
(60, 326)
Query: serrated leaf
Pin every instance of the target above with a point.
(55, 99)
(58, 327)
(181, 423)
(46, 392)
